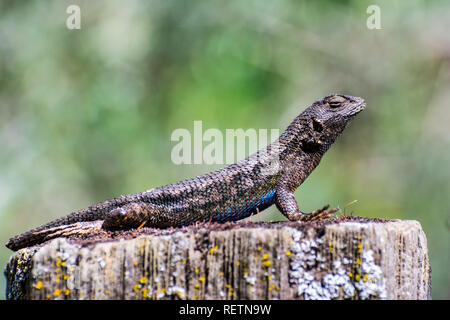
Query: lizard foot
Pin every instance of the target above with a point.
(129, 216)
(115, 219)
(324, 213)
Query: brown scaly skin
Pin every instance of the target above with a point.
(249, 186)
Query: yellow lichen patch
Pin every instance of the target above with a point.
(57, 292)
(143, 280)
(145, 292)
(58, 262)
(196, 286)
(66, 292)
(259, 248)
(106, 291)
(357, 277)
(63, 263)
(48, 296)
(221, 274)
(66, 277)
(214, 249)
(201, 279)
(135, 263)
(359, 247)
(269, 278)
(196, 270)
(288, 253)
(267, 263)
(350, 274)
(238, 263)
(136, 288)
(184, 261)
(38, 285)
(271, 287)
(358, 261)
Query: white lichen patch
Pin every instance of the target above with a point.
(101, 262)
(148, 291)
(161, 294)
(372, 281)
(317, 280)
(250, 279)
(177, 291)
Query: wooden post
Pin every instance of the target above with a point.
(356, 259)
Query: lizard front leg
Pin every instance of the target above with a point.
(286, 203)
(134, 215)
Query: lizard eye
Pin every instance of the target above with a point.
(334, 104)
(336, 101)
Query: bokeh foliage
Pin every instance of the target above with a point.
(86, 115)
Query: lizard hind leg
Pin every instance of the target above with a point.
(287, 205)
(128, 216)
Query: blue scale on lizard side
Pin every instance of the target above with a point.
(246, 211)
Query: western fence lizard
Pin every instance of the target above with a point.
(249, 186)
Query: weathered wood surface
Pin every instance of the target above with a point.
(360, 259)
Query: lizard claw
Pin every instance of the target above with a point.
(324, 213)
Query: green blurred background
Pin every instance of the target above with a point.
(86, 115)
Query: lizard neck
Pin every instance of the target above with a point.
(298, 159)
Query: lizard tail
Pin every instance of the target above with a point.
(41, 234)
(49, 230)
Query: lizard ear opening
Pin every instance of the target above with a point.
(309, 145)
(316, 125)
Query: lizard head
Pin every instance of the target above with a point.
(327, 118)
